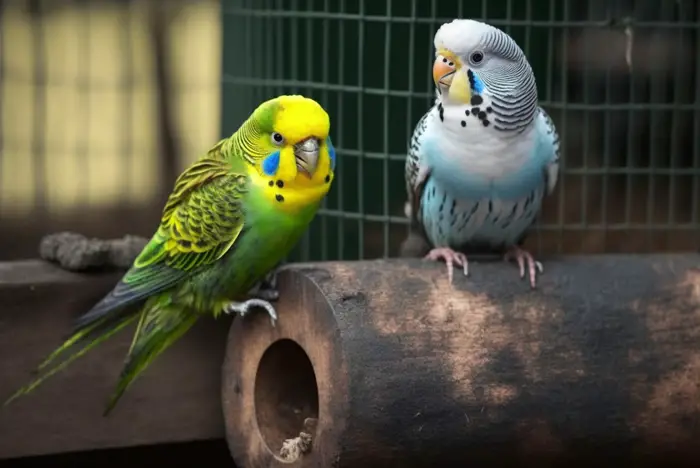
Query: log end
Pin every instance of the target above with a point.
(283, 387)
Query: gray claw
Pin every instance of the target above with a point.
(242, 308)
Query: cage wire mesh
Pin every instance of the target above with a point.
(619, 78)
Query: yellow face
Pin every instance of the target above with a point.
(297, 169)
(450, 76)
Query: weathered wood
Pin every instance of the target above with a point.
(409, 370)
(177, 398)
(600, 364)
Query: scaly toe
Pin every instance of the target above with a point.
(237, 308)
(263, 304)
(450, 257)
(462, 260)
(450, 270)
(243, 308)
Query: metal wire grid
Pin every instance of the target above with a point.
(630, 132)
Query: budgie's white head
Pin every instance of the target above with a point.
(476, 65)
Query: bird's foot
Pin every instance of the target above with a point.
(450, 257)
(242, 308)
(522, 256)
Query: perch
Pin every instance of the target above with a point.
(600, 364)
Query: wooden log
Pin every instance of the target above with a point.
(177, 399)
(600, 364)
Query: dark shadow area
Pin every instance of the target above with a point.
(200, 453)
(286, 393)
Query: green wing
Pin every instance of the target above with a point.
(201, 221)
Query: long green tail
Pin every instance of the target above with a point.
(160, 325)
(80, 342)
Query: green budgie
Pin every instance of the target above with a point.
(232, 217)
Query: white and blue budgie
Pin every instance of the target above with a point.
(484, 156)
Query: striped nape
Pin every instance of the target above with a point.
(511, 83)
(504, 45)
(245, 141)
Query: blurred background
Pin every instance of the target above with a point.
(104, 102)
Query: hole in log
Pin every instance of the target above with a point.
(286, 393)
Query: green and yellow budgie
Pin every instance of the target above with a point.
(232, 217)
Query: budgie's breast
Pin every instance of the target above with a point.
(478, 223)
(482, 193)
(270, 232)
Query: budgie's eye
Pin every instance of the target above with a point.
(277, 138)
(476, 57)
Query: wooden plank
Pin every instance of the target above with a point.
(177, 398)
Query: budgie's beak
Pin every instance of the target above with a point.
(451, 80)
(442, 74)
(306, 154)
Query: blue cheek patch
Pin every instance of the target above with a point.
(478, 85)
(331, 152)
(271, 164)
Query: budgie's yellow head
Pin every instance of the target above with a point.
(287, 140)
